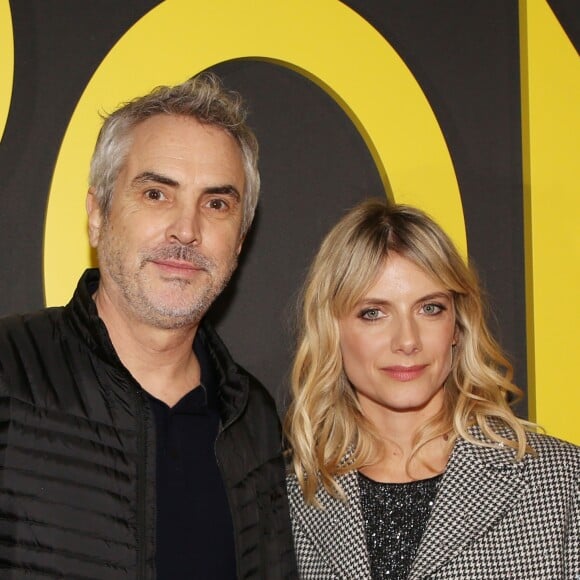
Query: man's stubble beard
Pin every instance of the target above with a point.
(213, 278)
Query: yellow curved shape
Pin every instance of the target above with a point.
(551, 142)
(179, 38)
(6, 63)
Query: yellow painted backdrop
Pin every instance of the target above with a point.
(551, 159)
(550, 137)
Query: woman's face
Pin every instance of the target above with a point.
(396, 344)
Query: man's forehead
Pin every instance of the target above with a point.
(184, 135)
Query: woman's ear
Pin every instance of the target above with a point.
(456, 335)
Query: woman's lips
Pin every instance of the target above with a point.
(404, 373)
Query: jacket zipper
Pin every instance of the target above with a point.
(141, 489)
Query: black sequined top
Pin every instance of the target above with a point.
(395, 516)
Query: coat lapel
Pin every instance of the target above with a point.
(479, 486)
(337, 530)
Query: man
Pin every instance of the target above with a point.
(131, 444)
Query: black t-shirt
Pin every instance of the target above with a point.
(194, 535)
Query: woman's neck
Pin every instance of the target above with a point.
(400, 461)
(399, 464)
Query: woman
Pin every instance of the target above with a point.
(407, 459)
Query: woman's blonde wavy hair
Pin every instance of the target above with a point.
(325, 428)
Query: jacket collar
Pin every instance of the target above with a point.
(480, 484)
(81, 313)
(233, 390)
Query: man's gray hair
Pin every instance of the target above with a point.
(204, 98)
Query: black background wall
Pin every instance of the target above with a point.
(465, 56)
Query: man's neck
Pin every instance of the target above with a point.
(161, 360)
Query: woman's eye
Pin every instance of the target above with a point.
(370, 314)
(433, 308)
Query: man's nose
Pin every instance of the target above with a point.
(184, 226)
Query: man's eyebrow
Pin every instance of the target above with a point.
(224, 189)
(151, 176)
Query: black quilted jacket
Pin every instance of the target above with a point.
(77, 455)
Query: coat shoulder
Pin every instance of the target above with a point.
(25, 340)
(552, 448)
(26, 327)
(554, 455)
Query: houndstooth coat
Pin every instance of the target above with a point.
(493, 519)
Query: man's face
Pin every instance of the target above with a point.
(171, 240)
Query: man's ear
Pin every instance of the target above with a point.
(95, 218)
(240, 244)
(241, 240)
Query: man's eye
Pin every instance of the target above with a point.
(218, 204)
(154, 194)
